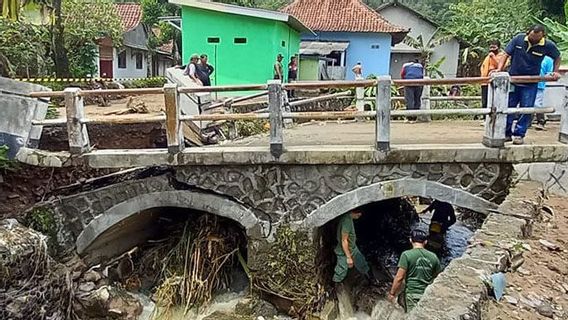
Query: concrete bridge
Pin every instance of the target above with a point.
(305, 175)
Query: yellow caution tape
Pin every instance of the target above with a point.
(80, 79)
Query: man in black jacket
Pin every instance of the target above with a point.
(204, 71)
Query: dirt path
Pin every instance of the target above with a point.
(543, 276)
(363, 133)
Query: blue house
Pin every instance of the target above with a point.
(347, 31)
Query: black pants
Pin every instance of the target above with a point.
(291, 93)
(413, 96)
(484, 94)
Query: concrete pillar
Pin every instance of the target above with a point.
(275, 101)
(383, 106)
(498, 103)
(563, 136)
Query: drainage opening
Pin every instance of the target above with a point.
(383, 233)
(177, 259)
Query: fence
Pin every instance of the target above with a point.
(278, 112)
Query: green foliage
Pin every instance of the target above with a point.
(5, 163)
(477, 22)
(52, 112)
(247, 128)
(558, 33)
(155, 82)
(22, 49)
(43, 220)
(263, 4)
(85, 22)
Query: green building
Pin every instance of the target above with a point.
(242, 43)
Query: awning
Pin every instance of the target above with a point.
(404, 48)
(322, 48)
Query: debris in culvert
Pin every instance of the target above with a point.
(32, 284)
(191, 265)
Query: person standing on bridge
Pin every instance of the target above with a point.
(204, 71)
(191, 69)
(490, 64)
(413, 70)
(278, 75)
(292, 74)
(348, 255)
(526, 52)
(418, 268)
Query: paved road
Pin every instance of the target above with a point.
(363, 133)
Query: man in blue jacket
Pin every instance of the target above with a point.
(412, 94)
(526, 52)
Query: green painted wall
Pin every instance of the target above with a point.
(309, 70)
(251, 62)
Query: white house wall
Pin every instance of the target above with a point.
(418, 26)
(130, 71)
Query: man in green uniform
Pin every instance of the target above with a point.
(348, 255)
(417, 267)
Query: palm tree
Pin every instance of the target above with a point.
(426, 49)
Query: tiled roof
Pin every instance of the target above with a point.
(340, 16)
(167, 47)
(131, 15)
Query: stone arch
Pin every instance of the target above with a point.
(187, 199)
(394, 189)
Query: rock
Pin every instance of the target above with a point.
(87, 286)
(565, 286)
(544, 309)
(250, 307)
(549, 245)
(511, 300)
(92, 276)
(523, 271)
(108, 302)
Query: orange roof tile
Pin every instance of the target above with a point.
(130, 14)
(340, 16)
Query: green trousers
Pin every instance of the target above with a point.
(411, 301)
(342, 268)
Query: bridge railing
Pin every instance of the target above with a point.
(279, 113)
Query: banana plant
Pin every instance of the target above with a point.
(31, 11)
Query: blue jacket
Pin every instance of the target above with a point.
(412, 70)
(547, 67)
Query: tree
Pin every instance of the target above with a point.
(426, 48)
(476, 22)
(82, 30)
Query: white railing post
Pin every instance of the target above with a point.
(275, 101)
(76, 130)
(563, 135)
(425, 102)
(174, 132)
(360, 98)
(497, 102)
(383, 108)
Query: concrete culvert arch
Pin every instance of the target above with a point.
(113, 218)
(395, 189)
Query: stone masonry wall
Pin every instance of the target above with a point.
(458, 293)
(289, 193)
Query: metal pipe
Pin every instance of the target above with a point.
(329, 84)
(249, 87)
(228, 117)
(320, 98)
(130, 92)
(529, 110)
(440, 112)
(328, 115)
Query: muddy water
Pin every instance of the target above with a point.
(456, 242)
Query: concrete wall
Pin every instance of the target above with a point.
(374, 60)
(419, 26)
(17, 113)
(237, 63)
(130, 71)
